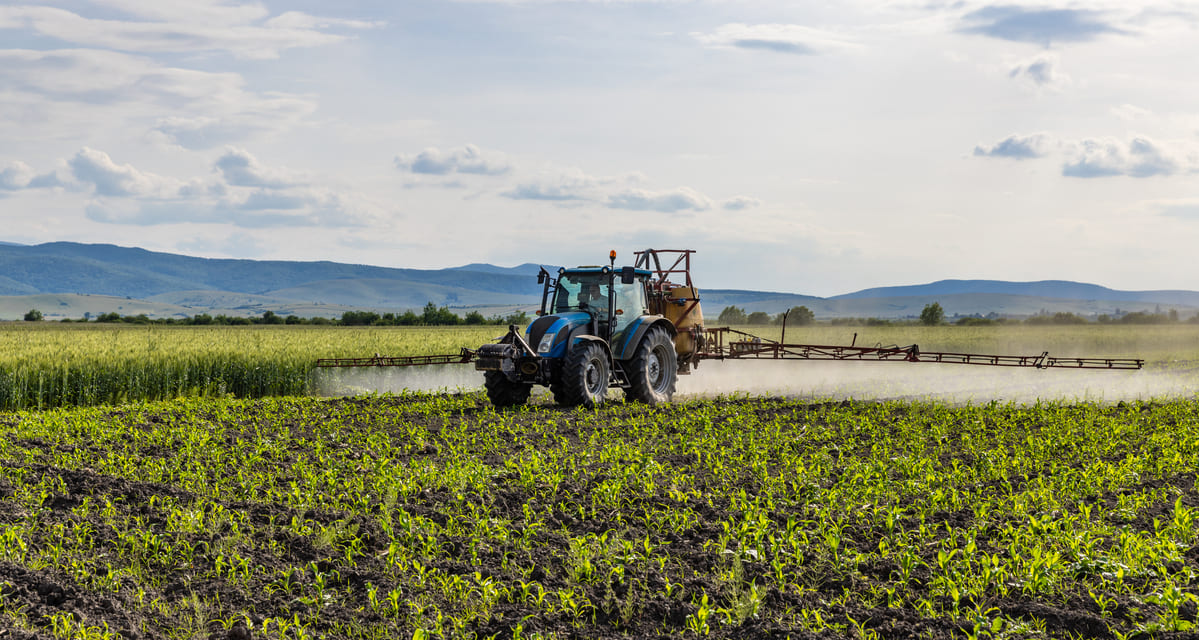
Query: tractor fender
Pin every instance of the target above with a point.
(586, 337)
(636, 331)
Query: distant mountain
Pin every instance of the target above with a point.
(714, 301)
(1060, 289)
(66, 279)
(526, 269)
(66, 267)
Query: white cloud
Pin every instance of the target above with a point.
(777, 38)
(297, 20)
(562, 185)
(468, 159)
(15, 175)
(247, 209)
(240, 169)
(236, 30)
(107, 178)
(1039, 25)
(539, 2)
(1102, 157)
(1131, 112)
(1184, 208)
(566, 184)
(207, 108)
(245, 193)
(1017, 147)
(1140, 157)
(1041, 71)
(194, 11)
(741, 203)
(679, 199)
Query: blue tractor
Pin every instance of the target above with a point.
(595, 331)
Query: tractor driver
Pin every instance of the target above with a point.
(589, 293)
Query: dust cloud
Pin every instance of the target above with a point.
(954, 383)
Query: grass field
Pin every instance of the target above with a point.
(49, 364)
(437, 517)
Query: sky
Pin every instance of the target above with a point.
(808, 147)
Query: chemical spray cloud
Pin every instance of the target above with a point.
(956, 384)
(365, 380)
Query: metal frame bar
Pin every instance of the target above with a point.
(716, 347)
(466, 356)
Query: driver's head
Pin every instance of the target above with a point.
(589, 292)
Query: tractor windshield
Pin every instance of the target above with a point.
(580, 291)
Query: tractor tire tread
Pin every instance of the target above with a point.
(573, 390)
(503, 392)
(641, 388)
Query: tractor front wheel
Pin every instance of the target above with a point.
(503, 392)
(654, 368)
(559, 391)
(584, 377)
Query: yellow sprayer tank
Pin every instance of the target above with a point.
(682, 309)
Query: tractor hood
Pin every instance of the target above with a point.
(548, 334)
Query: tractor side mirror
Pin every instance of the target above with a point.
(627, 275)
(541, 277)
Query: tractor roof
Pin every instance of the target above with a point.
(595, 269)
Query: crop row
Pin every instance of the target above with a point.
(436, 516)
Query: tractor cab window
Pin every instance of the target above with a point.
(578, 291)
(630, 303)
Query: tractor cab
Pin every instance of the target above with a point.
(611, 302)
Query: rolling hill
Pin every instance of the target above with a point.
(1052, 289)
(99, 278)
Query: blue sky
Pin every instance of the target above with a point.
(816, 148)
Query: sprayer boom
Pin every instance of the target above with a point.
(466, 356)
(716, 347)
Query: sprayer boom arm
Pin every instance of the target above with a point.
(750, 346)
(466, 356)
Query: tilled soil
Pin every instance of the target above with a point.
(94, 544)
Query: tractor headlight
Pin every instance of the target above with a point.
(547, 341)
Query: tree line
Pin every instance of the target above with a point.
(933, 314)
(431, 315)
(796, 316)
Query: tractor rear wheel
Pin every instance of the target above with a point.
(584, 376)
(503, 392)
(653, 369)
